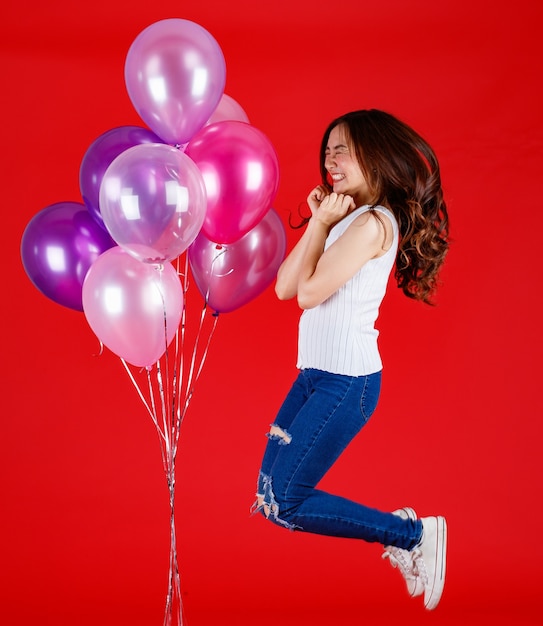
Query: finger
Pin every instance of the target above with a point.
(318, 192)
(313, 196)
(345, 202)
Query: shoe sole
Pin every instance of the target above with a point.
(441, 565)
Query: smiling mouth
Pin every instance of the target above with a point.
(337, 177)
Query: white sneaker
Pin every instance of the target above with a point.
(430, 559)
(403, 559)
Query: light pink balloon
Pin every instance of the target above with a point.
(153, 201)
(229, 276)
(134, 308)
(175, 74)
(241, 175)
(228, 109)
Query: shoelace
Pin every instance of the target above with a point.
(419, 565)
(404, 560)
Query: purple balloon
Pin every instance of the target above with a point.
(100, 154)
(241, 174)
(153, 201)
(175, 74)
(229, 276)
(58, 246)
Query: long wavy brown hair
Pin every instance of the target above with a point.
(403, 173)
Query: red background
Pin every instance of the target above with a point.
(84, 522)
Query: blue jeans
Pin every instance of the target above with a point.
(320, 416)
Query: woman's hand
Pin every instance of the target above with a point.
(326, 210)
(333, 208)
(315, 198)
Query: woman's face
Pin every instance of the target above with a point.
(342, 165)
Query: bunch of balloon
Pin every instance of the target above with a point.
(190, 194)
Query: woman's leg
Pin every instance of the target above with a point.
(319, 418)
(279, 436)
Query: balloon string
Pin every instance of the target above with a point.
(101, 349)
(142, 398)
(180, 343)
(173, 601)
(162, 434)
(170, 395)
(174, 591)
(222, 250)
(166, 425)
(173, 598)
(204, 356)
(193, 378)
(189, 388)
(164, 382)
(172, 402)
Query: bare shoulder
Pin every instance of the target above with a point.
(375, 227)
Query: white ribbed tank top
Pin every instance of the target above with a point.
(339, 335)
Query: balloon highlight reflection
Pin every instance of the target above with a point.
(232, 275)
(59, 245)
(134, 308)
(199, 182)
(153, 201)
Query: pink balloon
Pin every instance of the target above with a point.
(229, 276)
(134, 308)
(175, 74)
(228, 109)
(241, 174)
(153, 201)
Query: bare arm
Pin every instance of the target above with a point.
(286, 286)
(322, 272)
(325, 272)
(312, 274)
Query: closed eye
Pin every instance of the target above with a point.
(337, 150)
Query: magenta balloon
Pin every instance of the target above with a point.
(134, 308)
(241, 175)
(100, 154)
(58, 246)
(153, 201)
(229, 276)
(228, 109)
(175, 74)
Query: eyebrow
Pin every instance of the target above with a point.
(340, 145)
